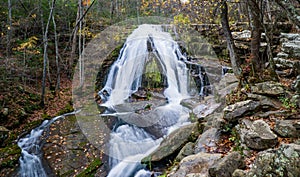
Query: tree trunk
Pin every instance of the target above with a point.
(57, 85)
(74, 44)
(235, 61)
(9, 29)
(45, 41)
(255, 35)
(290, 10)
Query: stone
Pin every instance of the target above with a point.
(238, 173)
(196, 165)
(187, 150)
(5, 111)
(296, 84)
(214, 120)
(260, 136)
(227, 84)
(4, 133)
(233, 112)
(207, 141)
(282, 63)
(296, 100)
(227, 165)
(269, 88)
(282, 162)
(288, 128)
(173, 143)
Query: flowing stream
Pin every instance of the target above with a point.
(31, 145)
(130, 141)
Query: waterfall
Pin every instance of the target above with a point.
(130, 142)
(31, 146)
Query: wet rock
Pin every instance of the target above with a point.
(187, 150)
(227, 165)
(282, 162)
(207, 141)
(3, 135)
(67, 150)
(268, 88)
(173, 143)
(288, 128)
(195, 165)
(260, 136)
(233, 112)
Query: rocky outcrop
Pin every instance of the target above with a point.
(288, 128)
(282, 162)
(268, 88)
(195, 165)
(260, 136)
(233, 112)
(172, 144)
(227, 165)
(67, 151)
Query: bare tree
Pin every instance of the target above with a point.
(9, 29)
(234, 58)
(290, 10)
(45, 56)
(57, 86)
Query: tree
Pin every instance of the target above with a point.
(288, 7)
(45, 57)
(234, 58)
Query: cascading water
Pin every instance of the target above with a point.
(31, 146)
(130, 142)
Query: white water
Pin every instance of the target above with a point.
(30, 160)
(129, 143)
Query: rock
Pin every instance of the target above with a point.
(290, 36)
(67, 149)
(207, 107)
(227, 165)
(260, 136)
(288, 128)
(238, 173)
(187, 150)
(282, 162)
(214, 120)
(233, 112)
(5, 111)
(268, 88)
(265, 102)
(296, 84)
(207, 141)
(196, 165)
(282, 64)
(4, 132)
(296, 100)
(173, 143)
(292, 48)
(228, 83)
(245, 35)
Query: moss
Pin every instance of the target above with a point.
(91, 169)
(9, 156)
(68, 108)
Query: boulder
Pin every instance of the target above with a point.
(214, 120)
(207, 141)
(296, 84)
(196, 165)
(227, 165)
(260, 136)
(187, 150)
(269, 88)
(288, 128)
(282, 162)
(173, 143)
(4, 132)
(233, 112)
